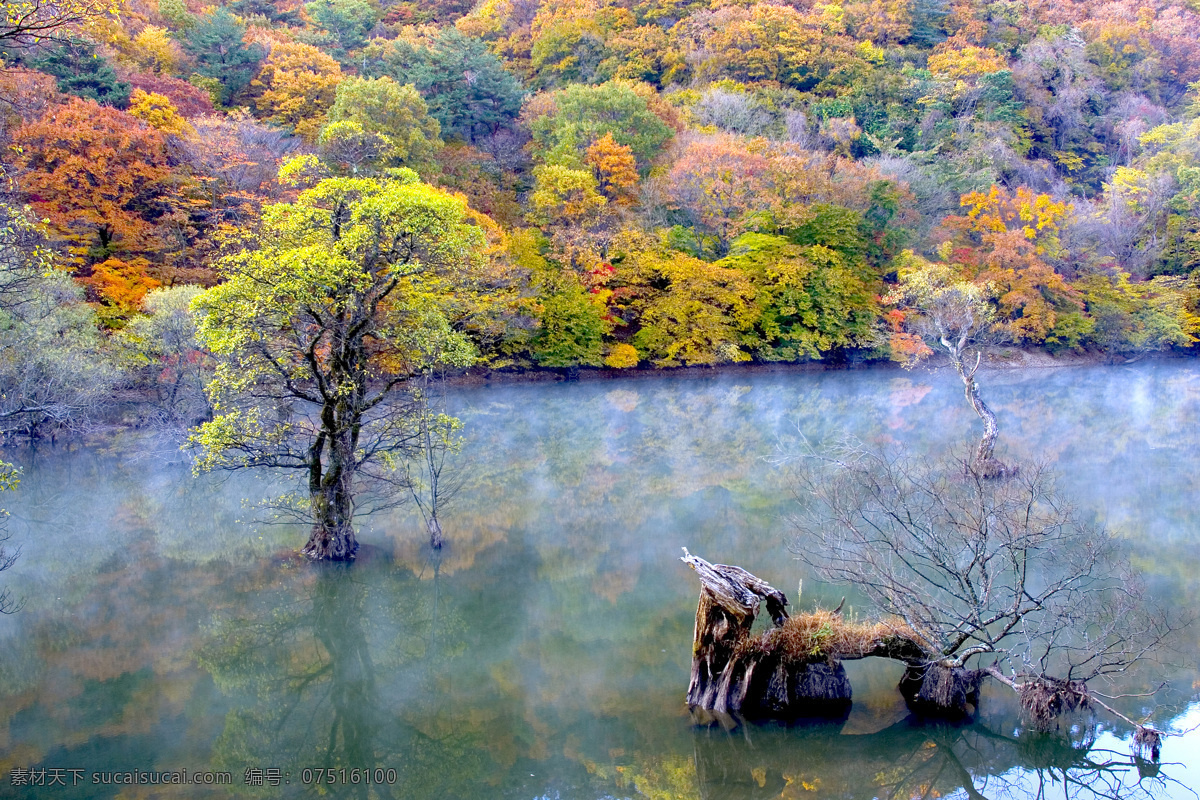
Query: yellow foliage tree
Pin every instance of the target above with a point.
(298, 85)
(1037, 216)
(564, 196)
(966, 62)
(155, 51)
(157, 112)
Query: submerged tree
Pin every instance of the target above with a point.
(955, 315)
(333, 304)
(437, 438)
(999, 579)
(9, 478)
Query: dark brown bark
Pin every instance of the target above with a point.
(940, 691)
(331, 494)
(729, 675)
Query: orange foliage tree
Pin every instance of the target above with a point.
(614, 167)
(99, 176)
(717, 182)
(1008, 236)
(120, 285)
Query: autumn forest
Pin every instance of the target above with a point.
(651, 183)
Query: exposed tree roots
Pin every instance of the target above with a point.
(794, 668)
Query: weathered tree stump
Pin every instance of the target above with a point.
(938, 691)
(733, 672)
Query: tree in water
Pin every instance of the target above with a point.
(987, 579)
(333, 303)
(10, 476)
(437, 438)
(948, 312)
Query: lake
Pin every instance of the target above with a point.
(544, 653)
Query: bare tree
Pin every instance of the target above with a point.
(998, 579)
(956, 317)
(9, 478)
(436, 438)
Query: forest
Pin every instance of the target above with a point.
(648, 183)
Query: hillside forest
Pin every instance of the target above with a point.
(647, 183)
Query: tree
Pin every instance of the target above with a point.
(298, 84)
(717, 183)
(571, 325)
(347, 21)
(322, 318)
(53, 370)
(981, 578)
(382, 106)
(955, 315)
(9, 478)
(346, 147)
(565, 123)
(27, 22)
(806, 50)
(810, 299)
(216, 44)
(157, 112)
(155, 51)
(614, 168)
(467, 88)
(702, 316)
(162, 343)
(95, 173)
(187, 99)
(79, 71)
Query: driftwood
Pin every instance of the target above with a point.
(794, 669)
(730, 674)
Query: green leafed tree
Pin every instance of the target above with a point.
(347, 21)
(572, 325)
(565, 123)
(329, 309)
(382, 106)
(216, 44)
(467, 88)
(79, 71)
(811, 299)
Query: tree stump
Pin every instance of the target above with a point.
(733, 672)
(944, 692)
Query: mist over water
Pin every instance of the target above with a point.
(545, 652)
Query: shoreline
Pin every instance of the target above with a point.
(1000, 359)
(128, 413)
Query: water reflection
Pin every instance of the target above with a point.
(915, 760)
(545, 651)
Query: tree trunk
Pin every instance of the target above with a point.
(985, 459)
(943, 692)
(332, 536)
(731, 675)
(332, 497)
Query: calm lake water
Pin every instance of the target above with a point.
(545, 652)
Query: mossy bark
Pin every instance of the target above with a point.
(729, 676)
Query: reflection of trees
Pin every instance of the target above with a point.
(913, 760)
(337, 670)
